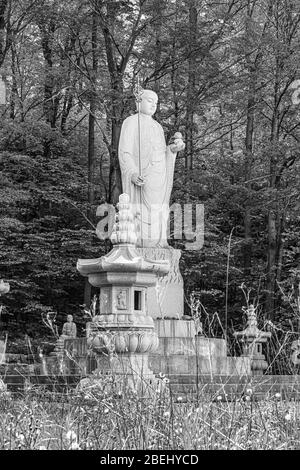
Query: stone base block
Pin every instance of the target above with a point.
(239, 366)
(171, 328)
(196, 355)
(197, 345)
(125, 371)
(200, 365)
(180, 346)
(132, 364)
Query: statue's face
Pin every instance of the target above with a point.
(70, 318)
(149, 103)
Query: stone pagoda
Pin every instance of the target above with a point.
(252, 339)
(122, 333)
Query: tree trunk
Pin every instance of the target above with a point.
(49, 105)
(174, 73)
(273, 211)
(91, 135)
(189, 125)
(253, 67)
(67, 106)
(14, 87)
(116, 81)
(69, 95)
(247, 249)
(3, 6)
(157, 13)
(115, 180)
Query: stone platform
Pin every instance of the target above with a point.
(182, 354)
(197, 356)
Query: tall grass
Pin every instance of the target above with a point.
(106, 421)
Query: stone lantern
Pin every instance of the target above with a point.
(252, 339)
(122, 334)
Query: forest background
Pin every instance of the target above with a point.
(226, 74)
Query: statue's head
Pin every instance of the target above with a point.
(69, 318)
(149, 101)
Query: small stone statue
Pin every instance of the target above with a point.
(69, 331)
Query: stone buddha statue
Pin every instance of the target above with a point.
(147, 167)
(69, 328)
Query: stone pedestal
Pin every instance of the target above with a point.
(132, 368)
(197, 356)
(166, 298)
(252, 339)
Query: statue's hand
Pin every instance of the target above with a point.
(176, 143)
(137, 180)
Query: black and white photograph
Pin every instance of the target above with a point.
(149, 228)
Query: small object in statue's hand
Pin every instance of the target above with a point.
(178, 135)
(177, 144)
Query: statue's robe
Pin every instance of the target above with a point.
(150, 201)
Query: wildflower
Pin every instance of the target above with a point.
(179, 398)
(166, 380)
(166, 414)
(219, 398)
(278, 395)
(106, 410)
(288, 416)
(249, 391)
(247, 398)
(75, 446)
(21, 437)
(42, 448)
(71, 436)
